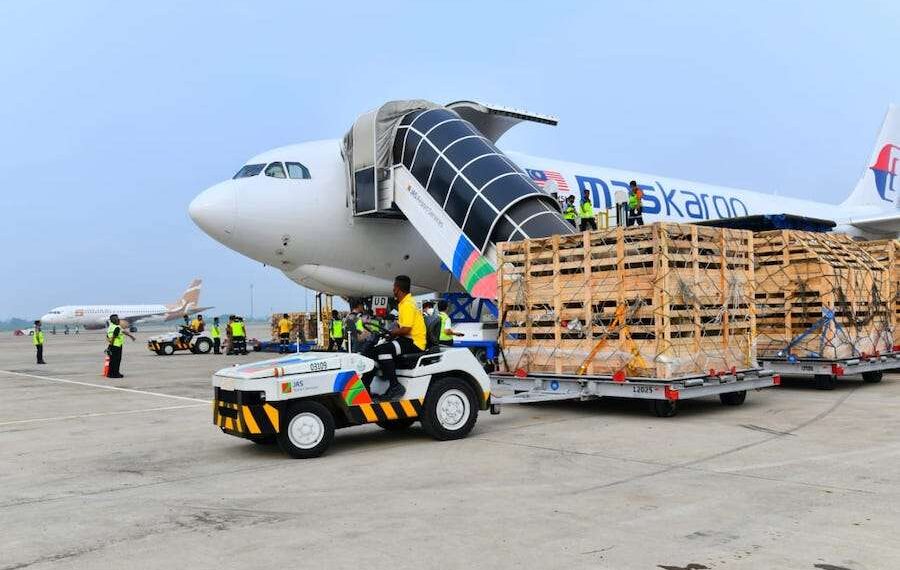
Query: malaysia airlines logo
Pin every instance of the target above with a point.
(885, 170)
(544, 177)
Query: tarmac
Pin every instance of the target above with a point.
(131, 473)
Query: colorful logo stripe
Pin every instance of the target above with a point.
(473, 271)
(352, 390)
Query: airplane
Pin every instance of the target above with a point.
(293, 207)
(92, 317)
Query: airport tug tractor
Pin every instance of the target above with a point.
(169, 343)
(298, 401)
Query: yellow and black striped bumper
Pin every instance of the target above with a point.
(153, 345)
(250, 420)
(385, 411)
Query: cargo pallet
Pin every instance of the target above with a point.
(663, 394)
(826, 371)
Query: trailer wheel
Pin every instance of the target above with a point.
(873, 377)
(203, 346)
(825, 381)
(664, 408)
(450, 409)
(307, 430)
(733, 398)
(168, 349)
(396, 425)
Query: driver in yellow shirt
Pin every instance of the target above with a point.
(407, 338)
(284, 333)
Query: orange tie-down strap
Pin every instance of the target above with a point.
(636, 361)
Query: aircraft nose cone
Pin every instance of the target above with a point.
(214, 211)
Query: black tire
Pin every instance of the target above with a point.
(873, 377)
(825, 381)
(400, 424)
(450, 393)
(160, 352)
(168, 349)
(664, 408)
(322, 420)
(203, 346)
(733, 398)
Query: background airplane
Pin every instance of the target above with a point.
(96, 316)
(290, 208)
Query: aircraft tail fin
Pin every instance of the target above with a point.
(190, 298)
(878, 185)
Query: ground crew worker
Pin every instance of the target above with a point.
(186, 331)
(115, 337)
(354, 325)
(38, 341)
(284, 333)
(635, 205)
(239, 336)
(432, 325)
(569, 212)
(336, 333)
(587, 213)
(216, 336)
(407, 338)
(197, 325)
(229, 335)
(447, 333)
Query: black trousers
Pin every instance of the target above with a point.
(636, 217)
(335, 344)
(39, 348)
(115, 360)
(239, 344)
(284, 339)
(217, 345)
(386, 353)
(574, 222)
(588, 224)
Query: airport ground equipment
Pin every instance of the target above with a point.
(826, 371)
(662, 394)
(275, 346)
(298, 401)
(887, 253)
(169, 343)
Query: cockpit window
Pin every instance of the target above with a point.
(297, 170)
(275, 170)
(249, 170)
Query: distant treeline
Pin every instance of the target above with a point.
(15, 324)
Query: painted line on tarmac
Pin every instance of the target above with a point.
(99, 414)
(106, 387)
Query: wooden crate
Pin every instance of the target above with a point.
(304, 325)
(801, 274)
(887, 252)
(662, 300)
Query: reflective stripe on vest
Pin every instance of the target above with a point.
(118, 340)
(446, 323)
(337, 328)
(587, 210)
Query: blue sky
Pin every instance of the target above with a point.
(114, 115)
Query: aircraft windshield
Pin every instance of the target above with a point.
(249, 170)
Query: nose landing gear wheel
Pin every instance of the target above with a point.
(307, 430)
(450, 409)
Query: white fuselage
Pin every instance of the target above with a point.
(96, 316)
(305, 227)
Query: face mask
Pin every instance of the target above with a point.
(429, 312)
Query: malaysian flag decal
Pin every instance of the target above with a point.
(544, 177)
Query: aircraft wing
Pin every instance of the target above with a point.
(136, 318)
(888, 224)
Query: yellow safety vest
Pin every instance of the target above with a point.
(587, 210)
(38, 338)
(359, 325)
(117, 340)
(569, 212)
(633, 201)
(237, 329)
(214, 331)
(446, 323)
(337, 328)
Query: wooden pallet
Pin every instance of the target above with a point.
(304, 326)
(887, 252)
(800, 274)
(656, 301)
